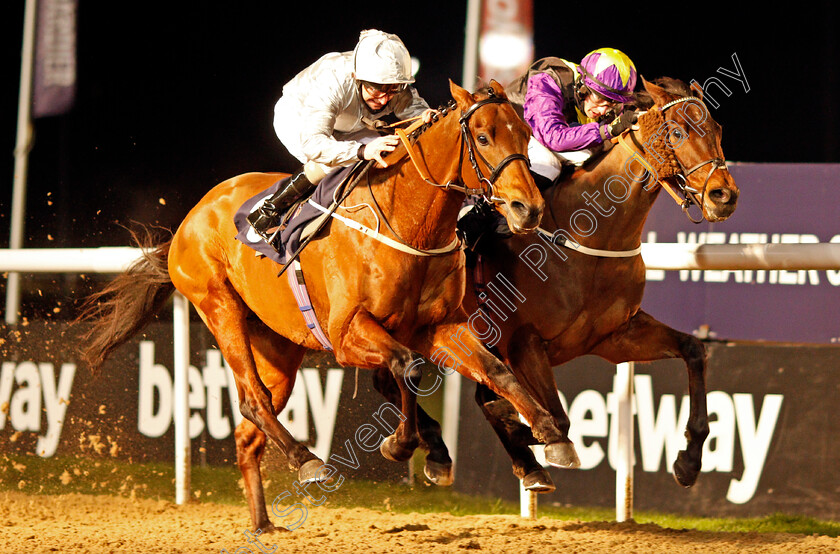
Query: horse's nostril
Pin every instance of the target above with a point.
(528, 214)
(519, 209)
(720, 196)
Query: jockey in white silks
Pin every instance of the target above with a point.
(326, 113)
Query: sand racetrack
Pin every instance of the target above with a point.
(78, 523)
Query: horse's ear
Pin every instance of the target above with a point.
(497, 88)
(656, 92)
(462, 96)
(696, 90)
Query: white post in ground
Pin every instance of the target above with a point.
(22, 145)
(451, 415)
(469, 73)
(624, 464)
(527, 502)
(181, 413)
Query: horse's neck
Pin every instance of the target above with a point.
(422, 214)
(597, 189)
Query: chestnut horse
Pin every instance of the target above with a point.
(377, 304)
(584, 297)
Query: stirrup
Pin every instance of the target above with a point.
(261, 220)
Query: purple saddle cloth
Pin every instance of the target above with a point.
(290, 237)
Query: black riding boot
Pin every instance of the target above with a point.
(479, 224)
(268, 214)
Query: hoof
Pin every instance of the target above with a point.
(269, 528)
(562, 454)
(392, 450)
(538, 481)
(439, 474)
(685, 471)
(310, 472)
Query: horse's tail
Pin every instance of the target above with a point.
(127, 304)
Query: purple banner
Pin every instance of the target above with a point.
(54, 86)
(779, 203)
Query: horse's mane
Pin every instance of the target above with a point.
(642, 99)
(665, 162)
(480, 94)
(443, 111)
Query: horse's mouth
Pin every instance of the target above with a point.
(522, 217)
(521, 230)
(716, 218)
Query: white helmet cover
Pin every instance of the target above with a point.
(381, 58)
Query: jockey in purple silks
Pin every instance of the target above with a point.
(573, 110)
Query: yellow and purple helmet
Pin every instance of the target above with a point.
(610, 73)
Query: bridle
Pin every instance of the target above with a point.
(467, 142)
(690, 195)
(472, 153)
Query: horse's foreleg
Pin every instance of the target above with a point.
(532, 368)
(454, 347)
(645, 339)
(516, 437)
(438, 467)
(367, 344)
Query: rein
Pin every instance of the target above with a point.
(689, 194)
(597, 252)
(468, 144)
(331, 212)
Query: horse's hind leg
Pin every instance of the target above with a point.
(277, 361)
(645, 339)
(438, 467)
(226, 315)
(250, 446)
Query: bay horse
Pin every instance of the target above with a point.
(586, 295)
(377, 304)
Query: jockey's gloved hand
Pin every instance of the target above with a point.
(623, 122)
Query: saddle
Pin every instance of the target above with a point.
(297, 224)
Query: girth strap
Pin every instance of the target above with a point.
(301, 294)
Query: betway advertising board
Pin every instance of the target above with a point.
(770, 449)
(779, 203)
(51, 406)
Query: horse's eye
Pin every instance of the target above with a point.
(482, 140)
(678, 135)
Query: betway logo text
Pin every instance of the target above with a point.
(661, 432)
(36, 392)
(208, 387)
